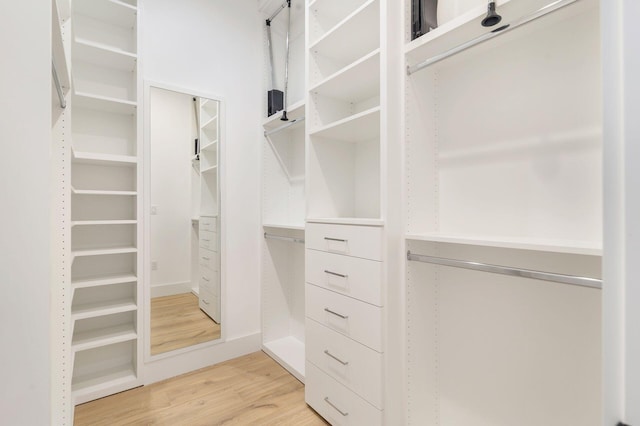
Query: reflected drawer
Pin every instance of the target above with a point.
(209, 259)
(355, 319)
(351, 363)
(358, 241)
(208, 223)
(209, 240)
(209, 303)
(351, 276)
(337, 404)
(209, 280)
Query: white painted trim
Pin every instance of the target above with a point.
(170, 289)
(194, 359)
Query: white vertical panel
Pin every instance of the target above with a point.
(25, 131)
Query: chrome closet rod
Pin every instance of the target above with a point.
(484, 37)
(281, 238)
(506, 270)
(277, 12)
(284, 126)
(56, 80)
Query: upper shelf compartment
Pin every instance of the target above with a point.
(108, 23)
(466, 30)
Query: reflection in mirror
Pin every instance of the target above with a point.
(184, 222)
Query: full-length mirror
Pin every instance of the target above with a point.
(184, 222)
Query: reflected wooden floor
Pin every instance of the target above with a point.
(250, 390)
(178, 322)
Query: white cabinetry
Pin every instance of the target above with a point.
(105, 204)
(345, 238)
(503, 167)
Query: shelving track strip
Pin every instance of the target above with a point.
(506, 270)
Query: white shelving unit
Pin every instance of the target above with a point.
(208, 223)
(105, 236)
(503, 153)
(347, 103)
(283, 212)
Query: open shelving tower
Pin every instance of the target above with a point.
(105, 203)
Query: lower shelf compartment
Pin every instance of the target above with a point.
(288, 352)
(104, 371)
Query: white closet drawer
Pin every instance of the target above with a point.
(354, 365)
(358, 241)
(337, 404)
(355, 319)
(208, 280)
(208, 223)
(209, 303)
(209, 240)
(351, 276)
(209, 259)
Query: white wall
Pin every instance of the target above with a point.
(172, 131)
(25, 134)
(215, 46)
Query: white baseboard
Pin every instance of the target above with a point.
(170, 289)
(171, 366)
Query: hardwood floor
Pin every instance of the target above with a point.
(178, 322)
(251, 390)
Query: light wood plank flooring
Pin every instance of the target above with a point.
(251, 390)
(178, 322)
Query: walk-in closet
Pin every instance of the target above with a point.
(320, 212)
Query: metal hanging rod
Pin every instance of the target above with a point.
(506, 270)
(284, 126)
(280, 8)
(56, 80)
(480, 39)
(281, 238)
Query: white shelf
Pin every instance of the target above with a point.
(103, 280)
(103, 159)
(208, 170)
(103, 103)
(296, 227)
(356, 82)
(467, 27)
(112, 12)
(294, 112)
(353, 35)
(288, 352)
(102, 222)
(347, 221)
(209, 123)
(103, 337)
(106, 251)
(99, 192)
(104, 379)
(91, 310)
(553, 246)
(103, 55)
(209, 146)
(358, 127)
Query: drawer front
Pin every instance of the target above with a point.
(337, 404)
(209, 240)
(354, 365)
(208, 223)
(358, 241)
(351, 276)
(209, 280)
(209, 259)
(209, 303)
(355, 319)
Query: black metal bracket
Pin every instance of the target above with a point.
(622, 424)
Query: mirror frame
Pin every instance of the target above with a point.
(146, 215)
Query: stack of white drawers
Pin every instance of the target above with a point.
(209, 260)
(344, 353)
